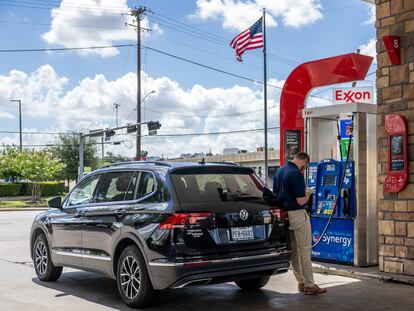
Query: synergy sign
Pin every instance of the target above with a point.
(337, 245)
(350, 95)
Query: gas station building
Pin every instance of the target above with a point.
(395, 94)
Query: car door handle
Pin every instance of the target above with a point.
(120, 212)
(80, 214)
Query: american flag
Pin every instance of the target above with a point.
(249, 39)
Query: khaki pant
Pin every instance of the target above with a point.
(301, 239)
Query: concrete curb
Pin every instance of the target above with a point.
(23, 209)
(381, 276)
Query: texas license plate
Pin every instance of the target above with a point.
(242, 234)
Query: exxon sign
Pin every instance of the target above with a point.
(349, 95)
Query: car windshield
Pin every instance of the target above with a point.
(216, 187)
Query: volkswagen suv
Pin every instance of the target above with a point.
(154, 226)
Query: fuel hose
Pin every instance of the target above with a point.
(351, 134)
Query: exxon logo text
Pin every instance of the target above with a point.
(353, 95)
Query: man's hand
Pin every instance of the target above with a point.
(303, 200)
(309, 191)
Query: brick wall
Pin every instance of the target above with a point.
(395, 86)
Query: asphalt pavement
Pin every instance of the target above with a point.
(77, 290)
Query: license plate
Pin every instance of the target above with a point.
(242, 234)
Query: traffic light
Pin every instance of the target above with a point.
(131, 128)
(153, 127)
(109, 134)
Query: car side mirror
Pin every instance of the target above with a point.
(55, 202)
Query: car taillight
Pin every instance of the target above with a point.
(279, 213)
(180, 220)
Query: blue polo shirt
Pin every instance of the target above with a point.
(289, 184)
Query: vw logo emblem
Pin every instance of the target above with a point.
(244, 214)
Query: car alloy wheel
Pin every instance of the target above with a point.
(41, 257)
(130, 277)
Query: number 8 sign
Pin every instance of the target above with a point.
(392, 44)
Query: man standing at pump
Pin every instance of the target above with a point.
(291, 191)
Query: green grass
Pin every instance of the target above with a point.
(23, 204)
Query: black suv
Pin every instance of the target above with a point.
(155, 225)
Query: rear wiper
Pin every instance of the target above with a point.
(242, 195)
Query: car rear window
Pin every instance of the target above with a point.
(216, 186)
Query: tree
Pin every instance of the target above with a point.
(38, 166)
(66, 149)
(9, 167)
(111, 158)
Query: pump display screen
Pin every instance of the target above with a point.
(329, 180)
(397, 153)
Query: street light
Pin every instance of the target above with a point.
(144, 98)
(20, 120)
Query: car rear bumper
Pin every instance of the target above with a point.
(167, 274)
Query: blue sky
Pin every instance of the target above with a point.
(76, 91)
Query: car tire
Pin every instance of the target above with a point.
(45, 269)
(134, 284)
(253, 284)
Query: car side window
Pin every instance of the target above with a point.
(117, 186)
(146, 184)
(84, 192)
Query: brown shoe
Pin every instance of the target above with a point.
(301, 287)
(316, 290)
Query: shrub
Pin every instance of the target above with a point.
(49, 188)
(9, 190)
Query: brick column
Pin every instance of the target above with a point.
(395, 92)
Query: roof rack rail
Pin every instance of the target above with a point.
(135, 162)
(224, 162)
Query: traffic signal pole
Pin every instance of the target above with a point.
(152, 127)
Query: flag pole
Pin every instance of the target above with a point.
(265, 97)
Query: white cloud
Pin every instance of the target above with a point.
(369, 48)
(371, 15)
(6, 115)
(39, 92)
(239, 15)
(94, 23)
(89, 105)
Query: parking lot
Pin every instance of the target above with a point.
(77, 290)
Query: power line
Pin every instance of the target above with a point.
(148, 136)
(67, 8)
(67, 49)
(68, 25)
(218, 70)
(221, 39)
(207, 116)
(152, 49)
(215, 54)
(214, 133)
(2, 145)
(39, 133)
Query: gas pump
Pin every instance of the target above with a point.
(343, 211)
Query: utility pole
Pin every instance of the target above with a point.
(137, 13)
(116, 106)
(20, 121)
(103, 148)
